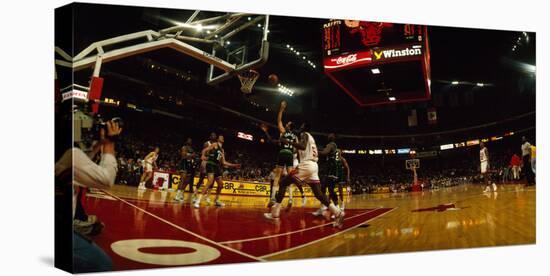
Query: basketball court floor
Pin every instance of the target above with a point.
(146, 229)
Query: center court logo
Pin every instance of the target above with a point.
(394, 53)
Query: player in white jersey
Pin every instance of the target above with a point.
(149, 163)
(306, 173)
(484, 168)
(295, 163)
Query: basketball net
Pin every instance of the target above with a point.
(247, 79)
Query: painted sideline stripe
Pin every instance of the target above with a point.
(296, 231)
(324, 238)
(189, 232)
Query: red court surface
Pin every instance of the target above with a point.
(174, 234)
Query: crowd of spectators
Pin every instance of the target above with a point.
(368, 173)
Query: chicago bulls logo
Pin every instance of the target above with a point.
(371, 32)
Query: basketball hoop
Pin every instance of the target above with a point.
(412, 164)
(247, 79)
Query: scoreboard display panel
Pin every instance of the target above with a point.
(350, 36)
(376, 62)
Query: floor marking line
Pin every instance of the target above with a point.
(189, 232)
(295, 231)
(327, 237)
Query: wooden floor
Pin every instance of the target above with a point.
(479, 219)
(458, 217)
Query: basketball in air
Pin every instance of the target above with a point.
(273, 79)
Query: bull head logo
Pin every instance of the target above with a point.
(370, 32)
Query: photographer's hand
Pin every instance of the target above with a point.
(112, 130)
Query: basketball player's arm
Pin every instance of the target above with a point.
(228, 164)
(185, 153)
(280, 117)
(274, 141)
(328, 148)
(206, 150)
(346, 166)
(301, 145)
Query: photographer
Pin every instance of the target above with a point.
(88, 257)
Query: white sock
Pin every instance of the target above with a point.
(276, 210)
(333, 209)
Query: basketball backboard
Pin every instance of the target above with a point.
(411, 164)
(229, 42)
(243, 44)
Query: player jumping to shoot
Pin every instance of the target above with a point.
(285, 156)
(306, 173)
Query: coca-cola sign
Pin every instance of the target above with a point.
(346, 60)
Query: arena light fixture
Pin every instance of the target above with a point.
(446, 146)
(375, 70)
(304, 57)
(391, 99)
(403, 151)
(455, 82)
(480, 84)
(284, 90)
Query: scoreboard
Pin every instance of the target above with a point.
(377, 62)
(350, 36)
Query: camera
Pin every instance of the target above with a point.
(99, 123)
(87, 128)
